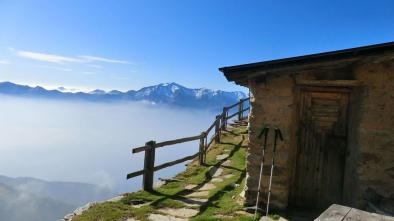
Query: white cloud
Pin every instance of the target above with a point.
(109, 60)
(60, 59)
(47, 57)
(4, 62)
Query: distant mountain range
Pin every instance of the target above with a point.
(73, 193)
(168, 93)
(16, 206)
(27, 198)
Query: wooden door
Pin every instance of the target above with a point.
(321, 148)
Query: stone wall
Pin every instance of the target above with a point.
(271, 103)
(375, 160)
(370, 161)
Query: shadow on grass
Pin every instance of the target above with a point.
(220, 193)
(231, 132)
(180, 196)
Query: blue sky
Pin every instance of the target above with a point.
(130, 44)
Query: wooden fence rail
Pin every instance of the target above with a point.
(219, 124)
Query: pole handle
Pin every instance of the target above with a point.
(263, 131)
(277, 130)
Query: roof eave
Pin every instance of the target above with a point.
(232, 72)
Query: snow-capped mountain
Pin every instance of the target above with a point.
(97, 91)
(167, 93)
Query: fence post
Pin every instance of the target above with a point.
(149, 163)
(217, 129)
(224, 118)
(202, 148)
(240, 109)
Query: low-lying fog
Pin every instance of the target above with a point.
(91, 142)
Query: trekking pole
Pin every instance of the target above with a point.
(264, 132)
(278, 133)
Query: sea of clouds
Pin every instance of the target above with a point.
(91, 142)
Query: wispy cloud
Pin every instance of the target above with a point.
(108, 60)
(52, 58)
(61, 59)
(4, 62)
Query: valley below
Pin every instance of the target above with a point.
(57, 155)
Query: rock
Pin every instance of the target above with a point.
(234, 185)
(69, 217)
(217, 180)
(115, 199)
(179, 212)
(159, 183)
(220, 216)
(81, 209)
(190, 186)
(207, 186)
(242, 194)
(215, 171)
(159, 217)
(227, 163)
(198, 194)
(140, 205)
(244, 213)
(131, 219)
(221, 157)
(265, 218)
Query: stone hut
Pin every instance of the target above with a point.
(336, 114)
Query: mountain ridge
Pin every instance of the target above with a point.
(72, 193)
(18, 205)
(28, 198)
(164, 93)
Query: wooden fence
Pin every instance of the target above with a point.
(218, 125)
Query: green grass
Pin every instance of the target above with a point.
(223, 201)
(274, 216)
(114, 211)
